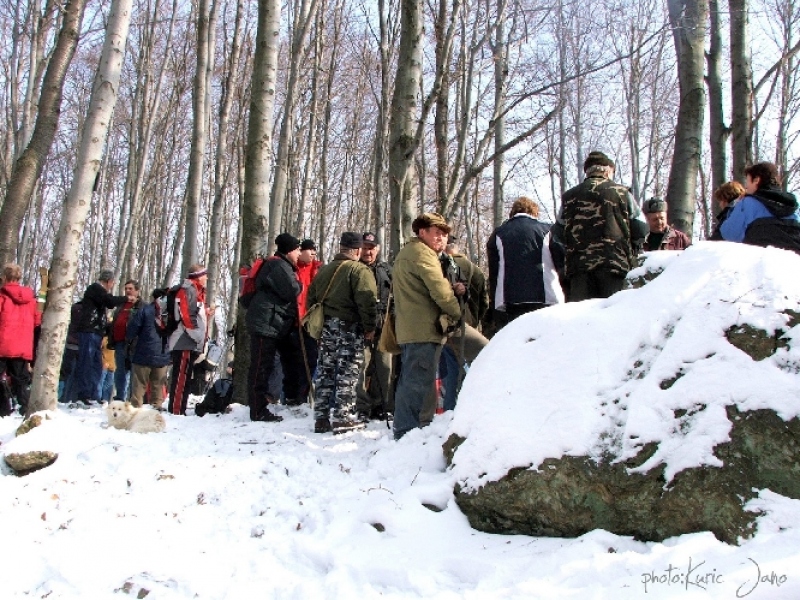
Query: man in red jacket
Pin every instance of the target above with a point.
(307, 269)
(18, 318)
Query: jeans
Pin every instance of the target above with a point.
(122, 376)
(89, 368)
(105, 386)
(450, 374)
(417, 379)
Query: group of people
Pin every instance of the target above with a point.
(433, 300)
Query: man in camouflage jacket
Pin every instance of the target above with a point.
(602, 231)
(347, 290)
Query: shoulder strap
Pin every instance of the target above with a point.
(330, 283)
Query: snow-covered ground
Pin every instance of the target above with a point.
(222, 508)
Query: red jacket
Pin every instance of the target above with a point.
(18, 317)
(305, 273)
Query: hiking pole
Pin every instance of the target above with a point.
(462, 371)
(309, 393)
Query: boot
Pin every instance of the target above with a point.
(322, 425)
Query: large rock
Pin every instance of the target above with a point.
(569, 496)
(27, 462)
(658, 412)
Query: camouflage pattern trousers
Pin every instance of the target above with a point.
(341, 356)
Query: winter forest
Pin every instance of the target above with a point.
(145, 135)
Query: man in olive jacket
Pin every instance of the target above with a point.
(426, 308)
(347, 290)
(271, 318)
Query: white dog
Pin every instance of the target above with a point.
(123, 415)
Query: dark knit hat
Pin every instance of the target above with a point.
(308, 244)
(370, 239)
(350, 239)
(286, 243)
(597, 158)
(430, 219)
(654, 205)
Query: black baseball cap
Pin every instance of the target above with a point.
(370, 239)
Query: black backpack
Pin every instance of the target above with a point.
(166, 323)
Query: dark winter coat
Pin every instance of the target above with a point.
(477, 297)
(273, 310)
(524, 262)
(96, 301)
(382, 271)
(766, 218)
(601, 227)
(18, 318)
(148, 348)
(353, 294)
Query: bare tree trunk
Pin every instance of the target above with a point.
(303, 19)
(741, 89)
(441, 121)
(403, 122)
(194, 184)
(382, 124)
(64, 267)
(221, 173)
(500, 52)
(688, 20)
(255, 204)
(28, 167)
(149, 113)
(719, 131)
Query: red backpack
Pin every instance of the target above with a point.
(247, 281)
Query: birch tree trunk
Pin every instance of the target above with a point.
(28, 166)
(305, 16)
(688, 19)
(403, 123)
(221, 173)
(64, 267)
(194, 184)
(255, 203)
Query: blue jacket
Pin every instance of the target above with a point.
(149, 349)
(766, 204)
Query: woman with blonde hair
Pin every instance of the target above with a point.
(726, 195)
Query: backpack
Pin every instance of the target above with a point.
(166, 323)
(247, 282)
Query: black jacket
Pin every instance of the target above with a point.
(96, 301)
(524, 261)
(273, 310)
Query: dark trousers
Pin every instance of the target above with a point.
(89, 367)
(417, 379)
(14, 381)
(181, 380)
(594, 284)
(67, 375)
(512, 311)
(262, 360)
